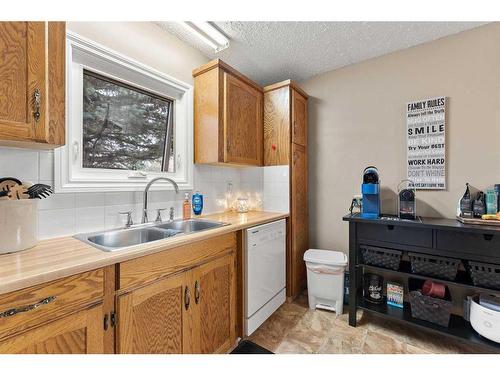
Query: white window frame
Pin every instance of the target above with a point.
(70, 176)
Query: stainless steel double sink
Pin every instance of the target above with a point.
(120, 239)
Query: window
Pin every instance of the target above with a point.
(127, 123)
(125, 127)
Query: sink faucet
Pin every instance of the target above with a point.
(145, 198)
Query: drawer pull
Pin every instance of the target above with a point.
(390, 227)
(487, 237)
(26, 308)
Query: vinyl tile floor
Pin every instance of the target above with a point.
(294, 329)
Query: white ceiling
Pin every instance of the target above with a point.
(269, 52)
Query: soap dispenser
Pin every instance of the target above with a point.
(186, 207)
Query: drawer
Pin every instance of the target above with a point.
(396, 234)
(37, 305)
(469, 243)
(141, 271)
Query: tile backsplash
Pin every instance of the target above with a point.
(70, 213)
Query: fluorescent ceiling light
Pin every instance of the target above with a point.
(206, 32)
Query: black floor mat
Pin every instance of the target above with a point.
(248, 347)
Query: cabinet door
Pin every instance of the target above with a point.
(214, 305)
(152, 319)
(299, 213)
(78, 333)
(22, 79)
(277, 127)
(299, 119)
(242, 122)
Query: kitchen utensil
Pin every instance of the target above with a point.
(430, 288)
(372, 288)
(18, 192)
(7, 182)
(39, 191)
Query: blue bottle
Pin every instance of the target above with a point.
(197, 203)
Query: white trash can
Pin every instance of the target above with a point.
(325, 279)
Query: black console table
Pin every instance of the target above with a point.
(441, 237)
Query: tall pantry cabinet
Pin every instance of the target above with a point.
(285, 143)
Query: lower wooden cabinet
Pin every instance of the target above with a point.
(78, 333)
(214, 310)
(152, 319)
(183, 300)
(190, 312)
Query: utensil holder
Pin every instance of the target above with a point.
(18, 225)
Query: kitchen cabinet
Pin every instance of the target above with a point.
(190, 312)
(78, 333)
(299, 217)
(152, 319)
(285, 143)
(228, 122)
(179, 301)
(64, 316)
(299, 118)
(32, 84)
(214, 308)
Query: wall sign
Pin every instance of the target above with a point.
(426, 159)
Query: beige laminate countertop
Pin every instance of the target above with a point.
(60, 257)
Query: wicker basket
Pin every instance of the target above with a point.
(485, 274)
(434, 310)
(379, 257)
(430, 265)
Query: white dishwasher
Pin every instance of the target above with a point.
(265, 274)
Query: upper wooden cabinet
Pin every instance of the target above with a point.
(32, 84)
(228, 113)
(285, 121)
(299, 118)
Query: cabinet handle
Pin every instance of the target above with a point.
(294, 127)
(187, 297)
(487, 237)
(295, 157)
(26, 308)
(37, 99)
(390, 227)
(197, 292)
(106, 322)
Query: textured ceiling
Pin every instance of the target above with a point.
(269, 52)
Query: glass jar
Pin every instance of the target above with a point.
(242, 205)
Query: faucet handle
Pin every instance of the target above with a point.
(129, 222)
(158, 215)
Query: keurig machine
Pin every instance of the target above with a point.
(370, 188)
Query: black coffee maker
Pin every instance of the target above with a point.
(407, 201)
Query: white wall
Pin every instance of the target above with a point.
(70, 213)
